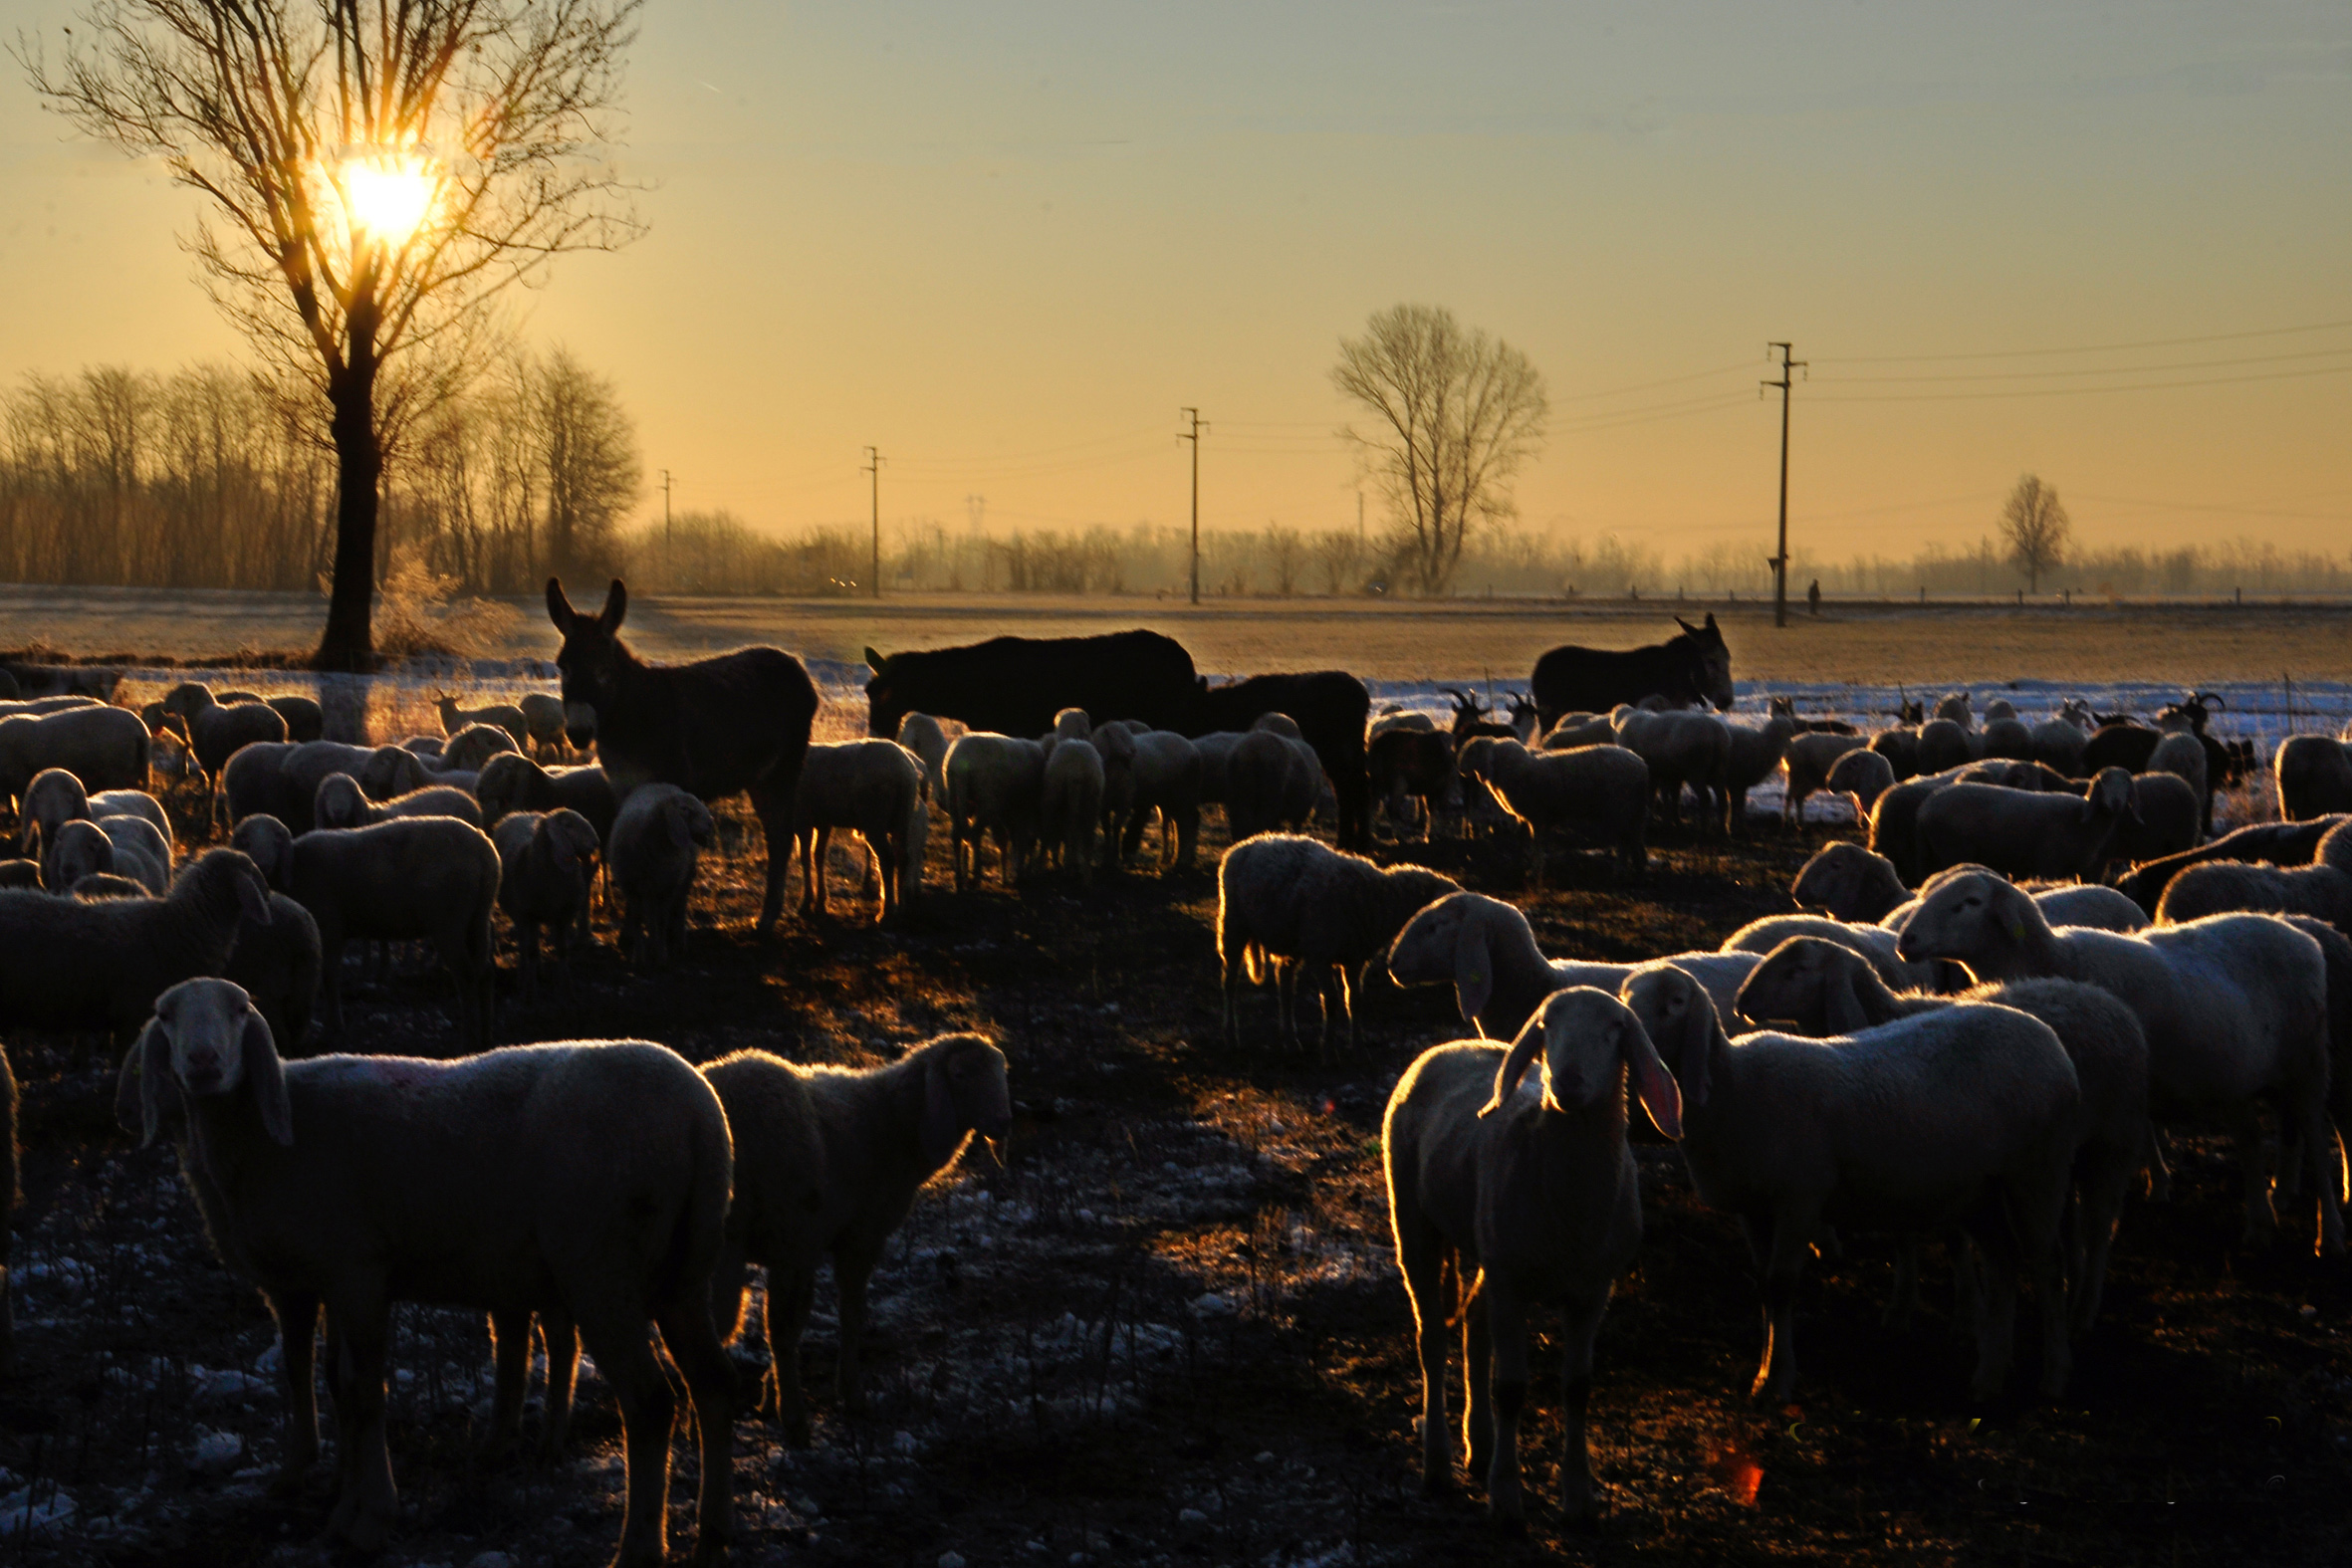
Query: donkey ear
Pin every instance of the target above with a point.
(874, 661)
(1710, 620)
(558, 609)
(1686, 625)
(617, 604)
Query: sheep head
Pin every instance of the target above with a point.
(965, 1091)
(690, 821)
(2110, 795)
(1452, 939)
(81, 850)
(1678, 1016)
(1973, 918)
(339, 803)
(1583, 1036)
(206, 1040)
(268, 843)
(1809, 983)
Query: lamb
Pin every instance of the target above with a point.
(505, 716)
(996, 785)
(2322, 889)
(215, 732)
(1487, 949)
(651, 855)
(876, 787)
(2024, 832)
(105, 747)
(1808, 760)
(1287, 902)
(2235, 1008)
(1533, 1192)
(2314, 775)
(1681, 748)
(828, 1162)
(341, 802)
(1166, 776)
(383, 772)
(1906, 1127)
(545, 860)
(72, 968)
(543, 722)
(1865, 775)
(586, 1181)
(413, 878)
(1755, 755)
(1071, 805)
(1599, 791)
(511, 782)
(470, 748)
(921, 734)
(1819, 989)
(2275, 844)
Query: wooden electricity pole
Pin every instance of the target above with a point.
(1194, 436)
(1779, 561)
(873, 466)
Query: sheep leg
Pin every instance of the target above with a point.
(370, 1506)
(647, 1409)
(852, 1270)
(2104, 1182)
(298, 1331)
(1285, 988)
(790, 1293)
(2160, 1176)
(510, 1358)
(1578, 1501)
(2309, 1113)
(685, 1326)
(1791, 1226)
(1422, 1257)
(774, 807)
(562, 1339)
(1478, 1384)
(2261, 1220)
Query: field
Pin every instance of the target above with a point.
(1169, 1329)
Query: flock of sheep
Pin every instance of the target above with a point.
(1975, 1039)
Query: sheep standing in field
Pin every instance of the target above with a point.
(305, 719)
(412, 879)
(2314, 776)
(1901, 750)
(1819, 989)
(1070, 810)
(827, 1162)
(2058, 741)
(1945, 744)
(2235, 1008)
(1410, 766)
(586, 1181)
(511, 782)
(1287, 903)
(1528, 1187)
(1863, 776)
(1166, 774)
(1807, 763)
(652, 857)
(1115, 743)
(922, 735)
(1910, 1126)
(1680, 748)
(123, 846)
(2023, 832)
(506, 715)
(877, 789)
(215, 731)
(543, 723)
(1875, 943)
(53, 798)
(471, 747)
(545, 860)
(2167, 823)
(996, 785)
(2322, 889)
(254, 783)
(383, 772)
(341, 802)
(2272, 844)
(1599, 791)
(105, 747)
(2183, 753)
(1847, 882)
(1574, 730)
(1756, 753)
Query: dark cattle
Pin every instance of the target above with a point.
(1692, 668)
(735, 722)
(2120, 746)
(1014, 685)
(1329, 707)
(2270, 844)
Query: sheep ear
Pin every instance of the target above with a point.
(1523, 1053)
(616, 605)
(558, 609)
(1474, 973)
(267, 1074)
(1646, 1073)
(145, 1089)
(939, 1133)
(1842, 1007)
(253, 895)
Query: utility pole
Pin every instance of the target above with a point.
(873, 466)
(1779, 563)
(1194, 436)
(665, 509)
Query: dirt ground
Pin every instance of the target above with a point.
(1169, 1330)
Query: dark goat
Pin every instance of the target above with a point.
(1014, 685)
(1785, 708)
(2128, 745)
(735, 722)
(1329, 708)
(1413, 763)
(2268, 843)
(1472, 718)
(1688, 669)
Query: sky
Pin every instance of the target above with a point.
(1006, 244)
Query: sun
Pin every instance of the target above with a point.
(388, 197)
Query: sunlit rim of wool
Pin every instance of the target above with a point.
(388, 197)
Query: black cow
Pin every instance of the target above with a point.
(1014, 685)
(1331, 707)
(1691, 668)
(739, 721)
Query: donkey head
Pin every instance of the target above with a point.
(593, 657)
(1711, 660)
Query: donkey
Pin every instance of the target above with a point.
(738, 721)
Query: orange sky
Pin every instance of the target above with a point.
(1006, 244)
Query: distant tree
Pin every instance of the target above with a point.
(2034, 523)
(373, 175)
(588, 448)
(1339, 554)
(1285, 556)
(1450, 415)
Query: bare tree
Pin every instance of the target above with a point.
(1338, 553)
(588, 451)
(375, 176)
(2034, 523)
(1451, 415)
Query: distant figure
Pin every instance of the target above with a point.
(1813, 597)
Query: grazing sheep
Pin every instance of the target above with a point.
(2168, 815)
(254, 781)
(1287, 901)
(2021, 832)
(651, 855)
(455, 721)
(545, 860)
(2275, 844)
(412, 879)
(1865, 775)
(585, 1181)
(543, 722)
(72, 968)
(470, 748)
(1680, 748)
(382, 771)
(1754, 755)
(2314, 775)
(1874, 943)
(1408, 765)
(1847, 882)
(827, 1162)
(1487, 951)
(2322, 889)
(1901, 750)
(341, 802)
(1070, 810)
(996, 785)
(1819, 989)
(1600, 792)
(922, 735)
(1944, 744)
(511, 782)
(2235, 1008)
(1807, 763)
(1911, 1126)
(876, 787)
(1167, 781)
(1529, 1188)
(105, 747)
(215, 731)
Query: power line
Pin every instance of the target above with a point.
(2100, 370)
(1643, 416)
(873, 466)
(2068, 391)
(2032, 353)
(1644, 386)
(1780, 561)
(1194, 436)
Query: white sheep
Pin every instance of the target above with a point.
(1807, 762)
(1526, 1186)
(877, 789)
(543, 720)
(545, 860)
(105, 747)
(1600, 792)
(586, 1181)
(827, 1162)
(1070, 807)
(1910, 1126)
(470, 748)
(341, 802)
(1874, 943)
(2322, 888)
(922, 735)
(1754, 755)
(1864, 776)
(511, 782)
(217, 731)
(652, 857)
(1680, 748)
(1287, 903)
(1166, 774)
(996, 785)
(85, 848)
(1847, 882)
(254, 781)
(2024, 832)
(412, 879)
(2235, 1008)
(383, 772)
(133, 802)
(504, 715)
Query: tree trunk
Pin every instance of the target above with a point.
(350, 641)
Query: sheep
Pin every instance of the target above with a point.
(2183, 755)
(20, 872)
(504, 715)
(215, 731)
(1874, 943)
(1287, 901)
(1071, 724)
(382, 772)
(53, 798)
(1819, 989)
(511, 782)
(2006, 736)
(827, 1162)
(1901, 750)
(1756, 753)
(2322, 889)
(1909, 1126)
(131, 802)
(2235, 1008)
(71, 968)
(2275, 844)
(2059, 741)
(583, 1180)
(341, 802)
(545, 860)
(1849, 883)
(1807, 763)
(1069, 806)
(254, 781)
(1216, 751)
(429, 748)
(995, 787)
(2023, 832)
(305, 719)
(651, 855)
(921, 734)
(1680, 748)
(1954, 708)
(1865, 775)
(1602, 791)
(279, 963)
(1409, 765)
(1487, 951)
(473, 745)
(876, 787)
(105, 747)
(1165, 776)
(2090, 905)
(413, 878)
(2314, 776)
(268, 843)
(1258, 780)
(1532, 1192)
(1997, 709)
(1574, 730)
(543, 722)
(1944, 744)
(2167, 821)
(133, 849)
